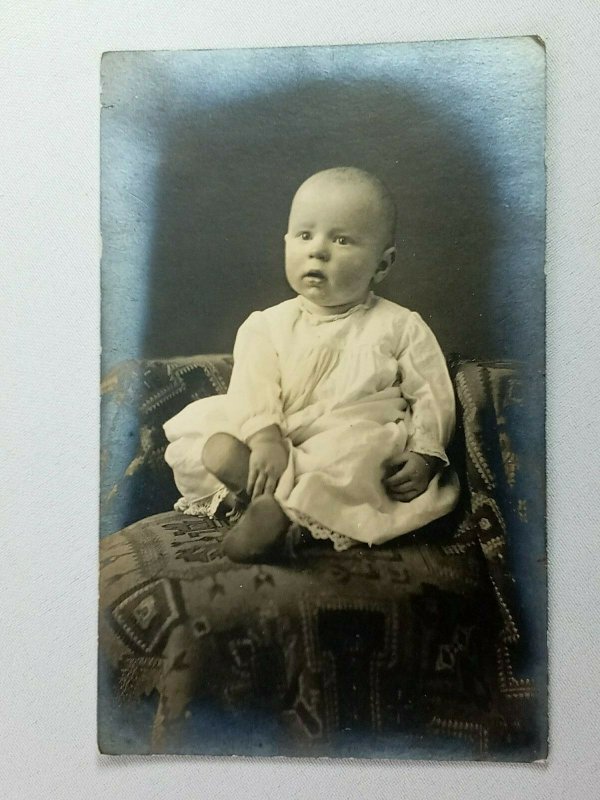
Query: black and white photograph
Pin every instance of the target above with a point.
(322, 455)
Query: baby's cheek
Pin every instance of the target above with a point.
(352, 274)
(292, 266)
(296, 257)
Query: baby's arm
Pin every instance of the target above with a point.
(427, 387)
(255, 404)
(268, 460)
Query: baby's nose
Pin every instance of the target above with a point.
(320, 251)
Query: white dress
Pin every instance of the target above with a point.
(350, 392)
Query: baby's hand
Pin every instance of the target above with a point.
(411, 476)
(268, 460)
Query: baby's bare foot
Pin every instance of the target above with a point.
(256, 536)
(233, 505)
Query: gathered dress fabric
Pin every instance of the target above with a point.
(351, 393)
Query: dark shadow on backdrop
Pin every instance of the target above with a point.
(224, 188)
(225, 185)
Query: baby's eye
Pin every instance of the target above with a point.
(305, 235)
(342, 240)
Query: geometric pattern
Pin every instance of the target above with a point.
(420, 639)
(144, 618)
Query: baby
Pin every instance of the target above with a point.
(340, 405)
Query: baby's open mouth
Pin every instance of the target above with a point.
(315, 273)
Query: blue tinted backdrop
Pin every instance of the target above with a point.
(203, 150)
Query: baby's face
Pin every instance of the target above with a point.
(335, 246)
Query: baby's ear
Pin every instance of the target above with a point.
(385, 262)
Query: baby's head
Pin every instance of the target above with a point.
(340, 238)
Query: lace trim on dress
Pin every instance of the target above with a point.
(207, 507)
(309, 309)
(318, 531)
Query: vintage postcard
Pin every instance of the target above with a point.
(322, 504)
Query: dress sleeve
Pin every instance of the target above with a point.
(254, 393)
(427, 388)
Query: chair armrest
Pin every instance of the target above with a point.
(499, 408)
(138, 397)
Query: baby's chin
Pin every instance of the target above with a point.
(317, 294)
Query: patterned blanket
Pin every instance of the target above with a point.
(410, 649)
